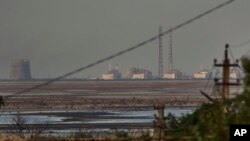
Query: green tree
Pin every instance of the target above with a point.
(246, 67)
(1, 102)
(211, 123)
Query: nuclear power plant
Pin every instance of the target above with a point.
(112, 74)
(138, 73)
(20, 69)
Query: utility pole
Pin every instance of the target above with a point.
(159, 124)
(226, 74)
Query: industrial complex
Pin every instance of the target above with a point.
(139, 73)
(20, 68)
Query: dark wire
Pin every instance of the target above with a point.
(209, 77)
(233, 58)
(214, 87)
(241, 44)
(211, 85)
(248, 53)
(126, 50)
(231, 53)
(206, 94)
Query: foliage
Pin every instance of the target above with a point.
(145, 136)
(21, 129)
(121, 134)
(82, 134)
(1, 102)
(44, 138)
(211, 121)
(18, 125)
(173, 125)
(246, 66)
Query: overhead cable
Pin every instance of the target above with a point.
(126, 50)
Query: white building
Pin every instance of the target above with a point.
(234, 74)
(203, 74)
(142, 76)
(112, 75)
(175, 74)
(139, 73)
(108, 76)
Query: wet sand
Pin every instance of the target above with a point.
(103, 95)
(79, 101)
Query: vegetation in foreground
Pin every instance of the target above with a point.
(211, 121)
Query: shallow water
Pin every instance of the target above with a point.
(108, 117)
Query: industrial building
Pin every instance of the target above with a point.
(20, 69)
(234, 74)
(202, 74)
(138, 73)
(173, 74)
(112, 74)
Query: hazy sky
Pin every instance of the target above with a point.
(59, 36)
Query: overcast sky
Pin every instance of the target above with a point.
(59, 36)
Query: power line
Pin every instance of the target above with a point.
(241, 44)
(210, 73)
(126, 50)
(248, 53)
(231, 53)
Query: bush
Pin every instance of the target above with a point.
(121, 134)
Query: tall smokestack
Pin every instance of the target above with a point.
(140, 67)
(170, 52)
(116, 67)
(110, 67)
(160, 69)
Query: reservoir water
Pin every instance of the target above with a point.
(90, 117)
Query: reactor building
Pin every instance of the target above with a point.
(139, 73)
(202, 74)
(235, 73)
(112, 74)
(20, 69)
